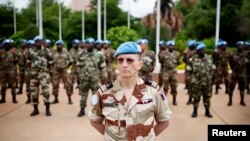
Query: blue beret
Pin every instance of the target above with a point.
(98, 42)
(247, 44)
(191, 43)
(38, 38)
(59, 42)
(128, 48)
(106, 42)
(30, 42)
(239, 43)
(47, 41)
(90, 40)
(161, 42)
(170, 43)
(200, 46)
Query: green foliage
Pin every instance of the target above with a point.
(119, 35)
(30, 32)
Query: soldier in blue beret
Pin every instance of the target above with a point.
(130, 105)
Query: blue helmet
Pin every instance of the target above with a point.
(23, 41)
(6, 41)
(247, 44)
(38, 38)
(98, 42)
(30, 42)
(239, 43)
(191, 43)
(161, 43)
(170, 43)
(90, 40)
(59, 42)
(106, 42)
(75, 41)
(142, 41)
(200, 46)
(47, 41)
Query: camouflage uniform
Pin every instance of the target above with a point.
(187, 54)
(74, 52)
(39, 61)
(248, 68)
(8, 76)
(238, 66)
(22, 65)
(169, 72)
(133, 120)
(61, 61)
(148, 65)
(161, 55)
(92, 68)
(201, 81)
(221, 60)
(109, 58)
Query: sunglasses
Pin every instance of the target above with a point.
(128, 60)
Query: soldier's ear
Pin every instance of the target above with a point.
(139, 65)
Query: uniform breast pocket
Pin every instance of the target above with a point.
(145, 109)
(111, 110)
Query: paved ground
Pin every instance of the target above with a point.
(64, 125)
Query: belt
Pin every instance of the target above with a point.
(116, 123)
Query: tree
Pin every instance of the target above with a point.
(119, 35)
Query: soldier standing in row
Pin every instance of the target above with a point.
(128, 108)
(109, 59)
(169, 64)
(22, 64)
(8, 59)
(247, 50)
(187, 54)
(238, 66)
(201, 67)
(161, 54)
(148, 58)
(39, 59)
(62, 60)
(221, 59)
(92, 71)
(74, 52)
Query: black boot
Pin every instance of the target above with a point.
(230, 99)
(3, 98)
(47, 105)
(55, 100)
(35, 111)
(70, 100)
(242, 99)
(189, 100)
(194, 114)
(28, 99)
(174, 100)
(14, 98)
(208, 114)
(81, 113)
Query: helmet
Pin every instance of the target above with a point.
(38, 38)
(75, 41)
(98, 42)
(30, 42)
(200, 46)
(239, 43)
(106, 42)
(90, 40)
(59, 42)
(47, 41)
(23, 41)
(161, 42)
(170, 43)
(191, 43)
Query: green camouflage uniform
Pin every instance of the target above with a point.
(39, 60)
(22, 65)
(238, 65)
(169, 71)
(187, 54)
(109, 58)
(201, 81)
(148, 65)
(61, 61)
(161, 55)
(8, 76)
(132, 120)
(73, 74)
(221, 60)
(92, 69)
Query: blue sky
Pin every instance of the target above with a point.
(138, 9)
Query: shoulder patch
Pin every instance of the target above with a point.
(106, 86)
(151, 83)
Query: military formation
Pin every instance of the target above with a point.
(89, 64)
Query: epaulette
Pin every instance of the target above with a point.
(151, 83)
(106, 86)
